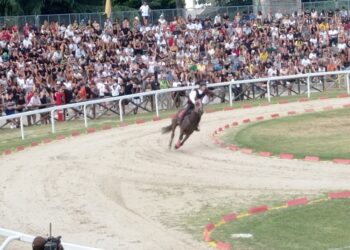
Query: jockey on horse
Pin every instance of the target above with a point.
(195, 94)
(192, 113)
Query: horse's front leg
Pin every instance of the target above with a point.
(185, 139)
(172, 134)
(178, 143)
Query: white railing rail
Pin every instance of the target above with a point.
(13, 236)
(156, 94)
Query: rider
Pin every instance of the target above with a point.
(195, 94)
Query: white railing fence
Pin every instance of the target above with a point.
(157, 93)
(16, 236)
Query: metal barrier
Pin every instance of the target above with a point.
(13, 236)
(268, 91)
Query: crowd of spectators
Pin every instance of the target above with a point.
(40, 65)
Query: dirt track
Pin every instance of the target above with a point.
(113, 189)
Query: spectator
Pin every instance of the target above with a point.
(145, 11)
(84, 61)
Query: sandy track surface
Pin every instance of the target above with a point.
(123, 188)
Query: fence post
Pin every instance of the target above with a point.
(37, 21)
(156, 101)
(230, 94)
(347, 83)
(85, 117)
(121, 110)
(22, 127)
(268, 91)
(53, 121)
(308, 87)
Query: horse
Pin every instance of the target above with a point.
(188, 124)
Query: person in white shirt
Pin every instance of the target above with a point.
(343, 12)
(116, 89)
(101, 86)
(29, 83)
(312, 55)
(145, 11)
(27, 44)
(198, 26)
(274, 32)
(68, 33)
(162, 22)
(290, 36)
(80, 52)
(72, 47)
(57, 56)
(106, 38)
(342, 46)
(313, 40)
(217, 19)
(21, 81)
(35, 101)
(333, 36)
(278, 15)
(76, 39)
(305, 61)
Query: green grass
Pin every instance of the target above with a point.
(10, 139)
(194, 222)
(323, 134)
(318, 226)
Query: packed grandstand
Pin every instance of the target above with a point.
(87, 60)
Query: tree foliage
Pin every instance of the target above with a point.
(36, 7)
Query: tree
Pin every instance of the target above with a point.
(37, 7)
(9, 7)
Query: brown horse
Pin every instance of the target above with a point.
(188, 124)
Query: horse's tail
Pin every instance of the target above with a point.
(167, 129)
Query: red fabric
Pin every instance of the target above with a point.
(29, 96)
(59, 101)
(15, 29)
(171, 42)
(172, 27)
(6, 35)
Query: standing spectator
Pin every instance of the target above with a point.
(10, 108)
(333, 36)
(34, 103)
(145, 11)
(45, 101)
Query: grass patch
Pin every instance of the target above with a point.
(318, 226)
(10, 139)
(194, 222)
(323, 134)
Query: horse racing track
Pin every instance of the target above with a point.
(124, 189)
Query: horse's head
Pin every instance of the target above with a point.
(198, 106)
